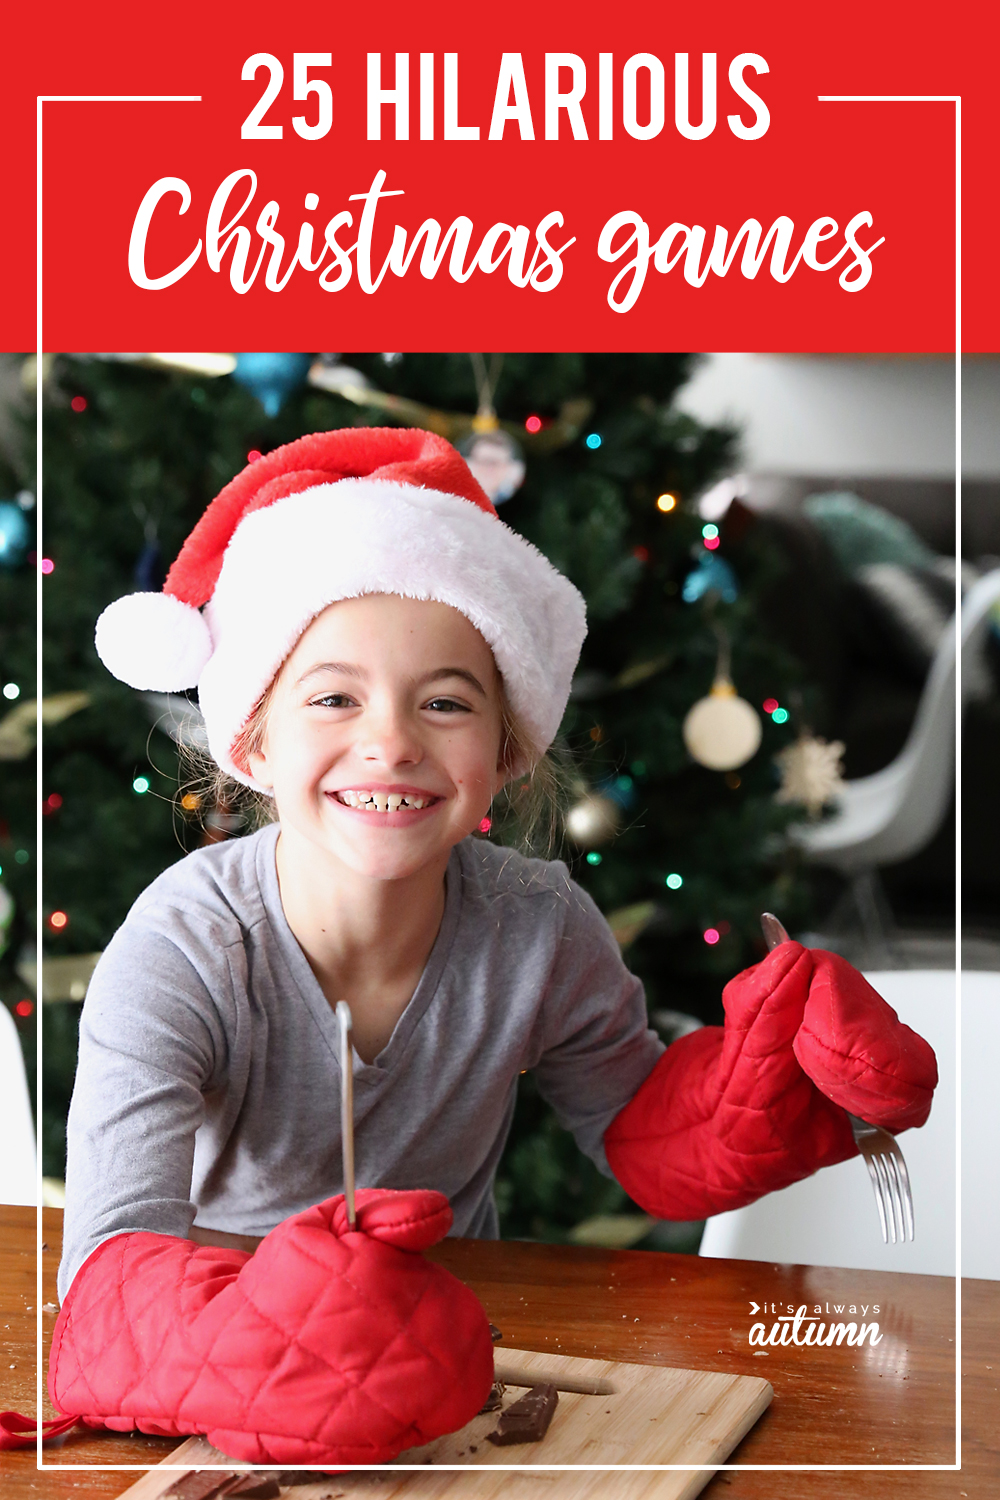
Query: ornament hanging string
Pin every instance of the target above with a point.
(486, 383)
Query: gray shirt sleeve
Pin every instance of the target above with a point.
(596, 1045)
(151, 1045)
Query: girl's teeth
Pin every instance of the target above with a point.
(382, 801)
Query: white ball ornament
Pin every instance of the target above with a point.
(154, 642)
(592, 820)
(722, 731)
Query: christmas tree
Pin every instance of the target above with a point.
(681, 858)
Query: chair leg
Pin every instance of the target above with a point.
(877, 922)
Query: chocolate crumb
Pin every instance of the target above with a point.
(494, 1401)
(495, 1333)
(527, 1421)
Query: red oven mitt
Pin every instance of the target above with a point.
(327, 1346)
(735, 1111)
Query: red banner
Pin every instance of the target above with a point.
(741, 179)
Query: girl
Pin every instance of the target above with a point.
(378, 653)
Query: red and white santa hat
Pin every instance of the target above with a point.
(363, 510)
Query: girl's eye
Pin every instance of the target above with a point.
(447, 705)
(333, 700)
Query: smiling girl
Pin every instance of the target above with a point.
(377, 653)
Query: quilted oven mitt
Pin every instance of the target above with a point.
(735, 1111)
(327, 1346)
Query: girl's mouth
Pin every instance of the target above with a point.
(383, 802)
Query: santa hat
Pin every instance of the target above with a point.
(364, 510)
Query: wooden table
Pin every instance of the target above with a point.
(888, 1405)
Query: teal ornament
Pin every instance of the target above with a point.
(618, 789)
(712, 575)
(15, 534)
(272, 377)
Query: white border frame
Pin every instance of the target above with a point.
(44, 1467)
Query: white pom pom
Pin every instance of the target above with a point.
(154, 642)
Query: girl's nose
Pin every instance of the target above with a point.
(390, 737)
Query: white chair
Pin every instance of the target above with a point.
(831, 1218)
(885, 818)
(17, 1126)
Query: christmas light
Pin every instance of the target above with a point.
(485, 825)
(666, 503)
(597, 734)
(593, 439)
(593, 858)
(53, 802)
(140, 785)
(710, 531)
(58, 920)
(780, 716)
(253, 455)
(79, 403)
(638, 768)
(675, 881)
(711, 935)
(533, 424)
(22, 856)
(11, 690)
(48, 566)
(24, 1007)
(732, 781)
(642, 553)
(711, 542)
(769, 705)
(190, 802)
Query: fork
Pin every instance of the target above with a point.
(883, 1158)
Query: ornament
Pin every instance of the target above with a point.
(722, 731)
(496, 461)
(618, 789)
(712, 575)
(15, 534)
(272, 377)
(811, 772)
(593, 819)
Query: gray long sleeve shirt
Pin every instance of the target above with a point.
(207, 1089)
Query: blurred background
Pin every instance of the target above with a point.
(763, 715)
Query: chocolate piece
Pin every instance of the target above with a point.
(495, 1333)
(200, 1484)
(527, 1421)
(494, 1401)
(255, 1487)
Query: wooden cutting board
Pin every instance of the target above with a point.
(656, 1415)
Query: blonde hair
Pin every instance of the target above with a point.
(527, 813)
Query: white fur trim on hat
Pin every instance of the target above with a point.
(154, 642)
(287, 562)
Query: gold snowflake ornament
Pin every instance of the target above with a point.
(811, 772)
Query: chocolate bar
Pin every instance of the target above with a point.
(527, 1421)
(200, 1484)
(254, 1487)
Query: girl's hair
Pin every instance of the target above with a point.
(527, 813)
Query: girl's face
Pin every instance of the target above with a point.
(382, 738)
